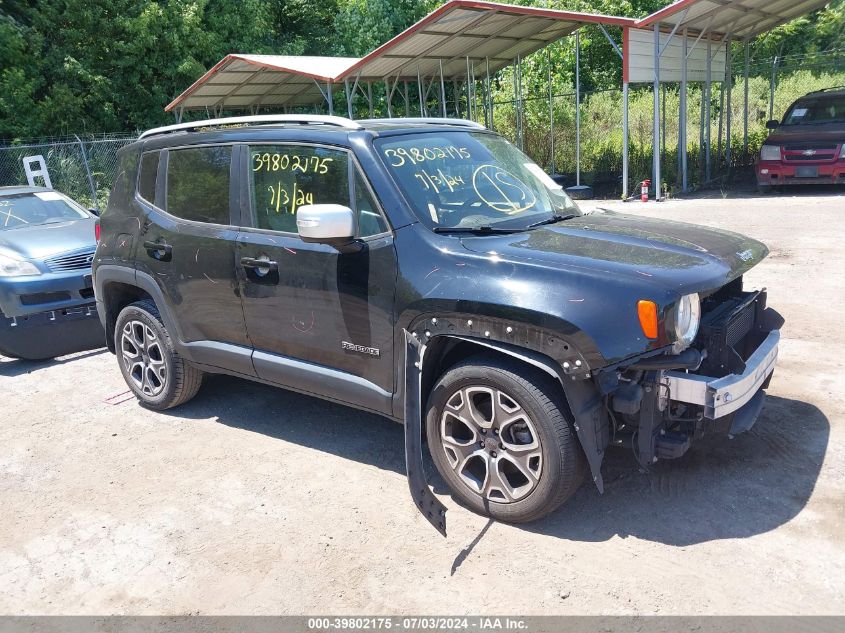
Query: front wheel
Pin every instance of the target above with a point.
(499, 436)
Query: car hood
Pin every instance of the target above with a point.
(681, 256)
(44, 240)
(829, 132)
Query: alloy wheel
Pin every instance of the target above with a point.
(491, 443)
(143, 358)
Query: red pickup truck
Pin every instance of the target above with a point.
(808, 146)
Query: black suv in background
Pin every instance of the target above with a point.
(428, 271)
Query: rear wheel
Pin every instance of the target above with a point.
(498, 435)
(152, 368)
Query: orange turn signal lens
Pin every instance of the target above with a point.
(647, 311)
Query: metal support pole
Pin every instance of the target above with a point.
(551, 114)
(578, 108)
(388, 93)
(329, 97)
(708, 87)
(489, 93)
(655, 151)
(407, 101)
(469, 100)
(745, 107)
(348, 98)
(456, 92)
(624, 139)
(721, 121)
(663, 124)
(520, 108)
(728, 112)
(682, 118)
(88, 172)
(701, 137)
(772, 88)
(370, 97)
(442, 92)
(420, 88)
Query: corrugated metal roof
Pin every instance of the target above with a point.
(459, 34)
(484, 32)
(460, 29)
(245, 81)
(737, 19)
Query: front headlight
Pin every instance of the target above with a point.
(15, 268)
(687, 319)
(770, 152)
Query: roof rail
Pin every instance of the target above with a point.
(429, 121)
(831, 89)
(318, 119)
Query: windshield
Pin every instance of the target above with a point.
(824, 109)
(471, 179)
(33, 209)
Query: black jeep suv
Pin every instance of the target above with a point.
(428, 271)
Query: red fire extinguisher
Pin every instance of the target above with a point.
(644, 190)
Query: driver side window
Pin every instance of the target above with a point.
(285, 177)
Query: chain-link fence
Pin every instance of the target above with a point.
(83, 169)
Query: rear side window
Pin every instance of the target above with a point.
(198, 184)
(284, 177)
(147, 177)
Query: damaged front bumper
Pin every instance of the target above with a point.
(720, 397)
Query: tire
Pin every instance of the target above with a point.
(152, 368)
(530, 461)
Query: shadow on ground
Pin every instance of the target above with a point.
(11, 367)
(723, 488)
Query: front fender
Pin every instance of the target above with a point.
(583, 399)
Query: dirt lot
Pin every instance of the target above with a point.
(252, 500)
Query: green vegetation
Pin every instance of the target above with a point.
(110, 66)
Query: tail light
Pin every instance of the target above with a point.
(97, 230)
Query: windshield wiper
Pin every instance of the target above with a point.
(553, 220)
(484, 229)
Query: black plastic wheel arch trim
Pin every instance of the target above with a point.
(428, 504)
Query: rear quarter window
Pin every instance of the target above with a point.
(147, 177)
(198, 184)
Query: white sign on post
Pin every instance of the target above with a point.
(640, 57)
(32, 174)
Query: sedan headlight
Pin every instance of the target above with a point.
(687, 319)
(770, 152)
(16, 268)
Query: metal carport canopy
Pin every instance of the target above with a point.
(737, 19)
(251, 81)
(690, 20)
(457, 32)
(488, 32)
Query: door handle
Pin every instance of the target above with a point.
(253, 262)
(159, 250)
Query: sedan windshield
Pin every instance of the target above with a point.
(469, 180)
(823, 109)
(33, 209)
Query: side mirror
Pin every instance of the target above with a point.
(325, 223)
(94, 212)
(772, 124)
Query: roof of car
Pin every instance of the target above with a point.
(19, 189)
(832, 92)
(318, 124)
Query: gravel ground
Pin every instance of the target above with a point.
(252, 500)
